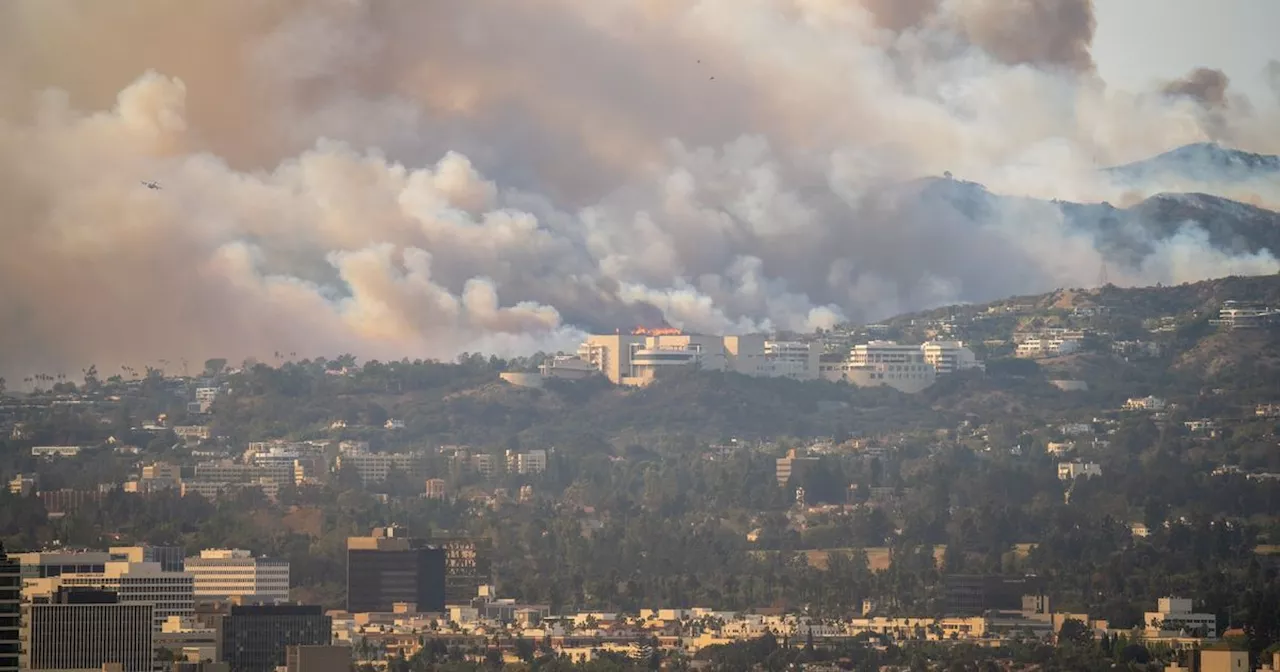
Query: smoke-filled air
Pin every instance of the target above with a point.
(418, 178)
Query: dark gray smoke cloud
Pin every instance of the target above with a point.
(1206, 86)
(406, 178)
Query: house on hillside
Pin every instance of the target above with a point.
(1145, 404)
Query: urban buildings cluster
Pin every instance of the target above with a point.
(223, 609)
(141, 606)
(269, 465)
(64, 610)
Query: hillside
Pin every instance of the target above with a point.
(1201, 162)
(1136, 303)
(1126, 235)
(1140, 341)
(467, 403)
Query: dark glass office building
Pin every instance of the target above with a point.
(256, 638)
(467, 566)
(385, 568)
(974, 594)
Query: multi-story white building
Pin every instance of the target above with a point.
(171, 593)
(949, 357)
(877, 363)
(639, 358)
(374, 467)
(1244, 315)
(1173, 618)
(532, 462)
(885, 352)
(224, 573)
(1047, 347)
(226, 471)
(791, 359)
(1068, 471)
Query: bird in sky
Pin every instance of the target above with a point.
(150, 185)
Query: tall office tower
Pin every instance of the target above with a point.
(84, 629)
(388, 567)
(10, 611)
(256, 638)
(224, 573)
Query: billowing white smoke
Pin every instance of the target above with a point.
(399, 178)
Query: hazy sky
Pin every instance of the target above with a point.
(1141, 41)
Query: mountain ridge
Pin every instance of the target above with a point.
(1203, 161)
(1124, 235)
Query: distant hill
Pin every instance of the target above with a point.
(1125, 235)
(1135, 303)
(1128, 233)
(1201, 162)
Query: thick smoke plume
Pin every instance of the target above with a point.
(1203, 85)
(403, 178)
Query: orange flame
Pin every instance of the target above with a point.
(656, 331)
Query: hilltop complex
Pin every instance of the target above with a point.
(638, 358)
